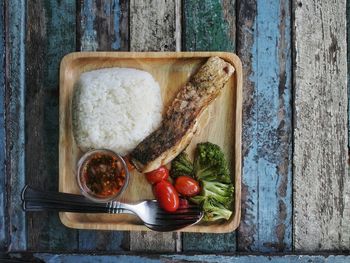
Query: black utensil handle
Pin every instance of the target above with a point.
(34, 205)
(29, 193)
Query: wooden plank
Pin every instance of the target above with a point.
(14, 103)
(263, 44)
(348, 63)
(90, 240)
(153, 27)
(50, 35)
(178, 258)
(3, 223)
(103, 25)
(209, 25)
(321, 175)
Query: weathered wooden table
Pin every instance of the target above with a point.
(296, 184)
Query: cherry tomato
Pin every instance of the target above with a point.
(183, 203)
(187, 186)
(166, 195)
(162, 173)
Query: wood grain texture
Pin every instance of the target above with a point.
(102, 241)
(348, 64)
(171, 70)
(263, 44)
(153, 28)
(3, 223)
(50, 35)
(209, 25)
(321, 176)
(103, 25)
(14, 107)
(153, 25)
(180, 258)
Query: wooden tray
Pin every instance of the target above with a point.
(171, 70)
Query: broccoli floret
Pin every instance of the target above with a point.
(181, 165)
(215, 210)
(221, 192)
(210, 163)
(211, 170)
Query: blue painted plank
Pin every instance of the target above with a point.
(263, 44)
(15, 92)
(51, 33)
(102, 25)
(209, 25)
(92, 240)
(193, 258)
(3, 226)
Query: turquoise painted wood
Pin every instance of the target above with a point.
(263, 44)
(50, 34)
(14, 103)
(102, 27)
(209, 25)
(3, 223)
(193, 258)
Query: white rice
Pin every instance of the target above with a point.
(115, 108)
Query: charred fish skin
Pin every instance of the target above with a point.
(180, 121)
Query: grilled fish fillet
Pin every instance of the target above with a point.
(180, 121)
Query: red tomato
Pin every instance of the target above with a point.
(183, 203)
(162, 173)
(166, 195)
(187, 186)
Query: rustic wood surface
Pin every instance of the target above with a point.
(176, 258)
(153, 25)
(102, 25)
(321, 175)
(263, 44)
(14, 107)
(315, 218)
(3, 223)
(55, 37)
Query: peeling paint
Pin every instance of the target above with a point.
(263, 45)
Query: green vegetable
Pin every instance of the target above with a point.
(181, 165)
(210, 163)
(215, 210)
(210, 168)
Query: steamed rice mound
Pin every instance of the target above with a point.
(115, 108)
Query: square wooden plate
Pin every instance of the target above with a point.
(171, 70)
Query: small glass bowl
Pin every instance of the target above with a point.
(85, 190)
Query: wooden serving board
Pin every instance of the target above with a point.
(172, 70)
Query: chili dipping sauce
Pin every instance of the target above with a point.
(103, 174)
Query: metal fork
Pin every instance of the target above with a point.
(148, 211)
